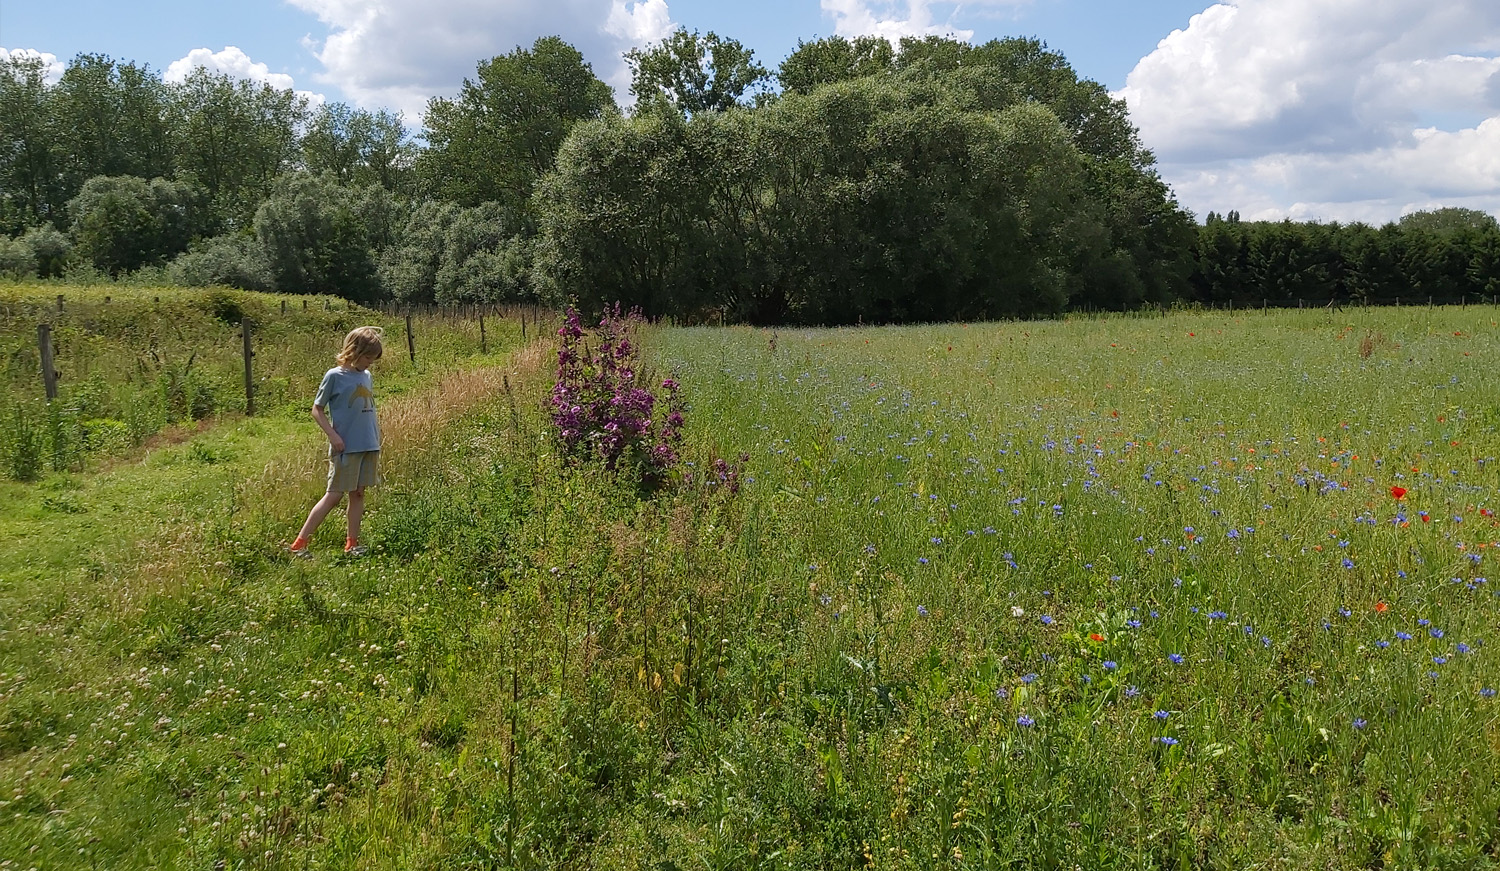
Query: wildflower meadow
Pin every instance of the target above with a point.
(1195, 590)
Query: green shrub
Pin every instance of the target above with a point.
(105, 435)
(224, 306)
(16, 259)
(50, 248)
(226, 261)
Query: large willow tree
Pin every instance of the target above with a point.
(940, 181)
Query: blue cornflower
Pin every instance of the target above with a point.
(1265, 641)
(1110, 665)
(1176, 658)
(1435, 633)
(1440, 660)
(1167, 740)
(1162, 715)
(1424, 622)
(921, 611)
(1358, 723)
(922, 560)
(1382, 644)
(1024, 720)
(1133, 624)
(1131, 692)
(1403, 636)
(1028, 678)
(1487, 693)
(1345, 612)
(1348, 563)
(1002, 693)
(1046, 619)
(1462, 647)
(1217, 615)
(1154, 615)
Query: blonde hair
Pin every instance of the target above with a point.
(361, 342)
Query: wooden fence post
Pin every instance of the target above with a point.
(411, 343)
(283, 306)
(484, 347)
(249, 377)
(49, 371)
(59, 303)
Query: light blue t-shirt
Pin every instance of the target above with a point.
(348, 398)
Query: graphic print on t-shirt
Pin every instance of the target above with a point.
(363, 392)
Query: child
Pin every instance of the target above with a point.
(345, 409)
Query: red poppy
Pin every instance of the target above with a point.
(1094, 636)
(1398, 492)
(1425, 518)
(1381, 607)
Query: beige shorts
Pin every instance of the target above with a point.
(348, 472)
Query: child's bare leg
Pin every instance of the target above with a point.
(320, 511)
(356, 513)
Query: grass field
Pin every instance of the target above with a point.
(1113, 593)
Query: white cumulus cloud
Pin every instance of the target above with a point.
(54, 67)
(236, 64)
(1330, 109)
(894, 19)
(400, 53)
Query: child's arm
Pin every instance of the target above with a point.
(335, 441)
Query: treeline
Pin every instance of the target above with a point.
(928, 180)
(1448, 255)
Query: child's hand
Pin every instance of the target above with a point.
(337, 443)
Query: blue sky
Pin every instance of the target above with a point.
(1311, 109)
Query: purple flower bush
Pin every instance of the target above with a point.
(601, 409)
